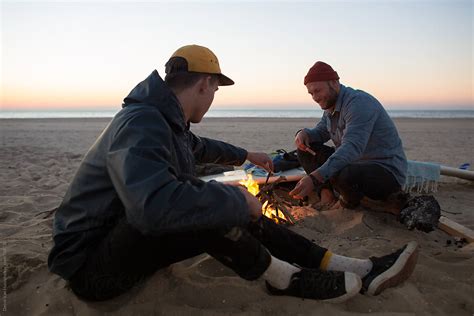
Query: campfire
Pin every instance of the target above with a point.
(273, 206)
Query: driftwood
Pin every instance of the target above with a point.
(458, 173)
(455, 229)
(267, 194)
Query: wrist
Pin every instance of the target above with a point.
(315, 179)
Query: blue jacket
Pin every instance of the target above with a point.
(142, 167)
(362, 131)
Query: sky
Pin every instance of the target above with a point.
(90, 54)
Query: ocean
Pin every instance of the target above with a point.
(272, 113)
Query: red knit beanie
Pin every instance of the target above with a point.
(320, 72)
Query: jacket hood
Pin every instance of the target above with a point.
(153, 91)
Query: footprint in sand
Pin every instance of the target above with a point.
(342, 220)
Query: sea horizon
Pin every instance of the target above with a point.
(234, 113)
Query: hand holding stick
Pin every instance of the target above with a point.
(306, 148)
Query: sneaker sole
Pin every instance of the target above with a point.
(399, 272)
(349, 278)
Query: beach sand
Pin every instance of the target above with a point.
(38, 158)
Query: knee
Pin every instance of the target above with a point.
(306, 161)
(302, 155)
(344, 175)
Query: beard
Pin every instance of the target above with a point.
(332, 99)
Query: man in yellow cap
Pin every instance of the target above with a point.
(135, 205)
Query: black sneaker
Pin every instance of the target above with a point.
(327, 286)
(390, 270)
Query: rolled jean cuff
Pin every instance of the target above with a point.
(243, 253)
(346, 204)
(262, 262)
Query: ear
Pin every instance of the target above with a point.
(204, 83)
(334, 84)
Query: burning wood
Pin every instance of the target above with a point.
(273, 206)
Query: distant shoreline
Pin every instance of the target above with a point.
(242, 113)
(106, 119)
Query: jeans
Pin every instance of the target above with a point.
(125, 256)
(352, 182)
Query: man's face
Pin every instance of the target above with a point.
(206, 96)
(323, 93)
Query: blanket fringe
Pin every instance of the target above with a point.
(420, 185)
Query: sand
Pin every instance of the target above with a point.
(38, 158)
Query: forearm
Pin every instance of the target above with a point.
(208, 150)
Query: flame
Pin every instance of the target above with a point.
(250, 184)
(267, 210)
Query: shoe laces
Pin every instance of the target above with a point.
(387, 260)
(314, 281)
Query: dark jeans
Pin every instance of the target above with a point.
(126, 256)
(354, 181)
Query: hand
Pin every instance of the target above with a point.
(302, 140)
(261, 160)
(303, 188)
(253, 203)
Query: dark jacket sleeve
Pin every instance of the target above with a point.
(156, 201)
(208, 150)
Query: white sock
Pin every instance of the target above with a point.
(279, 273)
(361, 267)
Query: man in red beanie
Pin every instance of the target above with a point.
(368, 158)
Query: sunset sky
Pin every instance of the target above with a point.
(89, 54)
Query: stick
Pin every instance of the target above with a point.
(454, 213)
(455, 229)
(310, 151)
(268, 177)
(288, 215)
(365, 223)
(458, 173)
(48, 213)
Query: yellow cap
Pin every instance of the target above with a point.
(202, 59)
